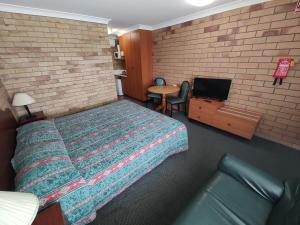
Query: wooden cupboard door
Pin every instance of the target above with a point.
(137, 47)
(146, 61)
(136, 78)
(125, 43)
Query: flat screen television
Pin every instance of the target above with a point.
(211, 88)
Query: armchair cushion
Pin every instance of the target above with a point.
(240, 194)
(267, 186)
(228, 202)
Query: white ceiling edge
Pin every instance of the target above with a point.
(80, 17)
(201, 14)
(208, 12)
(135, 27)
(51, 13)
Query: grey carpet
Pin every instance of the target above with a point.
(161, 195)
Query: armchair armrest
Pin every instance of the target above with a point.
(264, 184)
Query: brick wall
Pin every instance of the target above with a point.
(244, 45)
(66, 65)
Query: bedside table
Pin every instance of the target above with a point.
(36, 117)
(50, 216)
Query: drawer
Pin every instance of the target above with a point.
(201, 109)
(201, 117)
(236, 126)
(204, 104)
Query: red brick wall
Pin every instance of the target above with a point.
(66, 65)
(244, 45)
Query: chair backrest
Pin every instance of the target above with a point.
(184, 90)
(159, 81)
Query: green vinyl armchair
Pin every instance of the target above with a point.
(240, 194)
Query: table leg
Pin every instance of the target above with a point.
(164, 103)
(159, 107)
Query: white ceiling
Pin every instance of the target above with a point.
(130, 13)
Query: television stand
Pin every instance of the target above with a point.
(234, 120)
(209, 99)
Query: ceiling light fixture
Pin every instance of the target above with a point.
(200, 3)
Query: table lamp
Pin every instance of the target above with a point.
(17, 208)
(23, 99)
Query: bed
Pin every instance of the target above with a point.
(86, 159)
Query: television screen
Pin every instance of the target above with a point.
(211, 88)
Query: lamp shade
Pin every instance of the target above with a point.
(21, 99)
(17, 208)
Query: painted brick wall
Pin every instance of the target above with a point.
(244, 45)
(66, 65)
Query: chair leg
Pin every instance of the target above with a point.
(171, 110)
(167, 107)
(185, 109)
(178, 107)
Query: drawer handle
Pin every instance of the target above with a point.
(198, 117)
(200, 107)
(229, 124)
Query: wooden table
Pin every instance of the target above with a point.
(163, 90)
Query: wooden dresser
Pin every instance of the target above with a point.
(231, 119)
(137, 47)
(203, 110)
